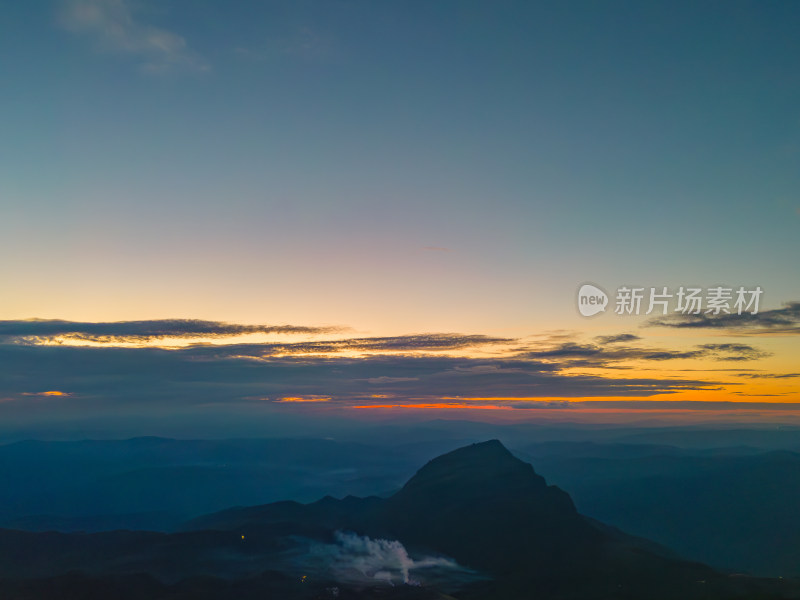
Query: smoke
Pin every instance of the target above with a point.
(382, 560)
(362, 560)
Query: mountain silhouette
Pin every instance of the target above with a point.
(491, 511)
(479, 505)
(481, 497)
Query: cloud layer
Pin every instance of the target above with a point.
(157, 378)
(47, 365)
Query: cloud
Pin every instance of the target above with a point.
(41, 331)
(114, 28)
(733, 352)
(769, 375)
(412, 370)
(785, 320)
(615, 339)
(38, 331)
(150, 380)
(430, 341)
(608, 352)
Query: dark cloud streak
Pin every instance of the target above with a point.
(604, 355)
(785, 320)
(139, 331)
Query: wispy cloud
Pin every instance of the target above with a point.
(113, 27)
(403, 344)
(37, 331)
(42, 332)
(608, 350)
(769, 375)
(784, 320)
(616, 339)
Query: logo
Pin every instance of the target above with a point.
(715, 301)
(591, 300)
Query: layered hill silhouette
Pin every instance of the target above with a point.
(484, 518)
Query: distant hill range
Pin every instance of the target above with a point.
(475, 523)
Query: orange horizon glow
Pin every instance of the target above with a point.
(594, 415)
(305, 399)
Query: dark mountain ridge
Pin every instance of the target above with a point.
(479, 505)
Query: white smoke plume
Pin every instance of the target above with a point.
(362, 560)
(382, 560)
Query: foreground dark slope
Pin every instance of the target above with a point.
(479, 505)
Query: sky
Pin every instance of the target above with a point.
(391, 206)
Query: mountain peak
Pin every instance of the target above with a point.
(494, 446)
(474, 466)
(486, 507)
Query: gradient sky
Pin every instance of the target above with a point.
(399, 168)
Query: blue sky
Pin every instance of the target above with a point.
(391, 167)
(555, 143)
